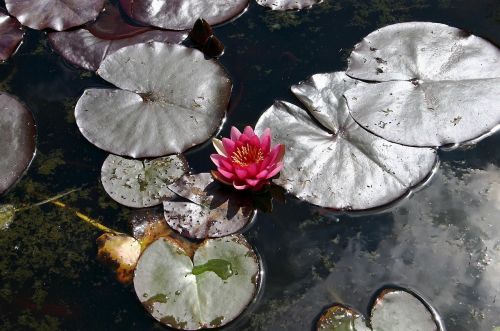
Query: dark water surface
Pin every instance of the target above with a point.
(443, 241)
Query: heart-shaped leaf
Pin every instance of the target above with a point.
(394, 309)
(165, 104)
(11, 35)
(54, 14)
(17, 140)
(141, 184)
(208, 291)
(7, 213)
(440, 84)
(213, 210)
(333, 162)
(83, 49)
(288, 4)
(181, 14)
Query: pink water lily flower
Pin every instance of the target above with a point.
(247, 161)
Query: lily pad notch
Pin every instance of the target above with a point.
(436, 85)
(163, 104)
(207, 290)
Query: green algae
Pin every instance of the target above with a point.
(221, 268)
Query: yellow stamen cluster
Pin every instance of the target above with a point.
(247, 154)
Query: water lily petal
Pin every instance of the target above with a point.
(253, 182)
(241, 173)
(240, 185)
(235, 134)
(248, 131)
(227, 174)
(219, 147)
(263, 174)
(265, 141)
(252, 170)
(275, 169)
(218, 176)
(229, 145)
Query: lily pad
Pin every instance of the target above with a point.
(83, 49)
(288, 4)
(140, 184)
(212, 209)
(207, 291)
(439, 84)
(331, 160)
(7, 213)
(17, 140)
(11, 33)
(121, 253)
(181, 14)
(394, 309)
(164, 106)
(54, 14)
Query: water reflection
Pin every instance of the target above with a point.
(443, 242)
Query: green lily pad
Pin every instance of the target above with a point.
(207, 291)
(139, 184)
(394, 309)
(7, 213)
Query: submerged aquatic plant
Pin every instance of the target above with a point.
(247, 161)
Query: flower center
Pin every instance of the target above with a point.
(247, 154)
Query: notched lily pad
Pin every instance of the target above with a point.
(17, 140)
(394, 309)
(341, 318)
(331, 160)
(165, 105)
(288, 4)
(121, 253)
(141, 183)
(439, 84)
(11, 35)
(181, 14)
(207, 291)
(54, 14)
(212, 210)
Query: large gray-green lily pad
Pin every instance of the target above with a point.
(333, 162)
(440, 85)
(169, 99)
(207, 291)
(394, 309)
(211, 209)
(83, 49)
(288, 4)
(54, 14)
(181, 14)
(17, 140)
(141, 183)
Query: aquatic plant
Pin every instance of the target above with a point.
(245, 160)
(11, 36)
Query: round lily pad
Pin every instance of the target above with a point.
(288, 4)
(181, 14)
(439, 84)
(171, 99)
(17, 140)
(141, 183)
(333, 162)
(206, 291)
(11, 35)
(394, 309)
(212, 210)
(54, 14)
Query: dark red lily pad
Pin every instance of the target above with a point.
(112, 25)
(83, 49)
(212, 210)
(17, 140)
(54, 14)
(11, 35)
(182, 14)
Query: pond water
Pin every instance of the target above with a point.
(442, 242)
